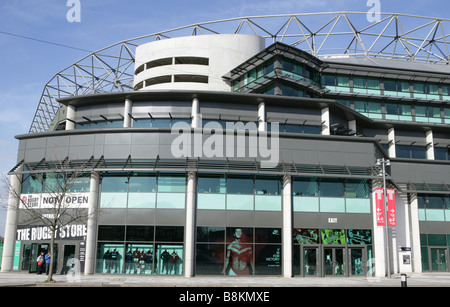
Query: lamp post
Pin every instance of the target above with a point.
(383, 163)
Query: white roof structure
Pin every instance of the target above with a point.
(328, 36)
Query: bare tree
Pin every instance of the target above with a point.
(59, 186)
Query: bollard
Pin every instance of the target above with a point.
(403, 279)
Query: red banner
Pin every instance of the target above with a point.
(379, 207)
(392, 215)
(379, 201)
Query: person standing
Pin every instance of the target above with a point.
(48, 258)
(40, 263)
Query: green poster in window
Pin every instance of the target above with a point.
(17, 255)
(333, 236)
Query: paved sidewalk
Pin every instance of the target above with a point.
(20, 279)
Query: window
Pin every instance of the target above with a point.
(357, 188)
(268, 186)
(168, 183)
(343, 81)
(211, 184)
(441, 153)
(191, 78)
(331, 188)
(142, 183)
(305, 187)
(115, 184)
(239, 185)
(411, 152)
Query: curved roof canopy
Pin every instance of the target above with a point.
(324, 35)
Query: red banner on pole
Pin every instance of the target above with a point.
(392, 215)
(379, 201)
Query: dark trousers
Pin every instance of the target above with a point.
(40, 268)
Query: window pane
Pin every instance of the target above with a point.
(171, 184)
(169, 233)
(211, 184)
(419, 88)
(360, 106)
(240, 185)
(421, 110)
(403, 151)
(404, 109)
(80, 184)
(374, 107)
(328, 80)
(373, 83)
(418, 152)
(343, 81)
(433, 89)
(440, 153)
(331, 188)
(32, 184)
(357, 188)
(268, 186)
(403, 86)
(390, 85)
(391, 108)
(142, 183)
(111, 233)
(434, 202)
(305, 187)
(359, 82)
(115, 184)
(140, 233)
(211, 234)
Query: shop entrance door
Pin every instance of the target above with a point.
(334, 261)
(309, 261)
(357, 261)
(438, 259)
(34, 252)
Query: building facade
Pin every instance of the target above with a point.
(232, 158)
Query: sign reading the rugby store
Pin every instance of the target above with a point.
(46, 201)
(40, 233)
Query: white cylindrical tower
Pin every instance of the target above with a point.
(193, 62)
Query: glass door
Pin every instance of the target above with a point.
(438, 259)
(309, 261)
(334, 261)
(357, 261)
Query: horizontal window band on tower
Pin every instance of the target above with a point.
(158, 80)
(188, 60)
(191, 78)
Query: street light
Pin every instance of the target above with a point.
(385, 162)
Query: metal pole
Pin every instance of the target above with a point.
(383, 161)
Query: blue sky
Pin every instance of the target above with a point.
(27, 65)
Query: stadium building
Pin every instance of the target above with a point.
(237, 147)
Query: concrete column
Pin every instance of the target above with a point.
(11, 223)
(189, 231)
(195, 114)
(128, 109)
(70, 117)
(91, 237)
(391, 146)
(352, 126)
(262, 125)
(378, 237)
(430, 144)
(416, 252)
(325, 121)
(287, 226)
